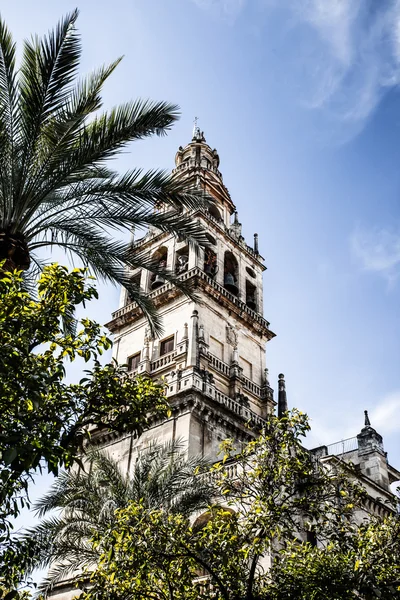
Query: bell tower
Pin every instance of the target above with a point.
(212, 353)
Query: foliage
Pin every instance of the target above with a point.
(45, 420)
(161, 476)
(364, 564)
(272, 494)
(55, 186)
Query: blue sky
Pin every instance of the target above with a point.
(300, 98)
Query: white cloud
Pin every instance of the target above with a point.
(358, 57)
(347, 57)
(378, 251)
(351, 50)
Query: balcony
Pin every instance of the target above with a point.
(202, 277)
(163, 361)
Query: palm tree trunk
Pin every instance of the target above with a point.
(14, 250)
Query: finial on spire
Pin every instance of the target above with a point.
(195, 126)
(198, 136)
(282, 399)
(256, 243)
(367, 422)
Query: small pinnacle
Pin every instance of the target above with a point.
(282, 398)
(367, 421)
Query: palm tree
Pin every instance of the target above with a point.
(162, 477)
(55, 186)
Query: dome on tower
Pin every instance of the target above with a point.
(198, 154)
(198, 163)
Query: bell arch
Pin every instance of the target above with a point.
(231, 273)
(160, 258)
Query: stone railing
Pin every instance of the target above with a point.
(196, 382)
(163, 361)
(191, 164)
(224, 292)
(251, 387)
(196, 271)
(219, 365)
(237, 408)
(224, 368)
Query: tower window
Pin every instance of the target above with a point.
(135, 281)
(133, 361)
(182, 260)
(214, 212)
(231, 273)
(166, 345)
(210, 262)
(160, 257)
(251, 299)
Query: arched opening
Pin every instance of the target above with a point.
(231, 277)
(182, 260)
(251, 297)
(135, 280)
(160, 257)
(210, 262)
(214, 212)
(251, 272)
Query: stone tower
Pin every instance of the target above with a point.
(212, 353)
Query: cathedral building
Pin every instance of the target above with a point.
(212, 355)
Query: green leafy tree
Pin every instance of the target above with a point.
(364, 563)
(162, 476)
(45, 420)
(55, 186)
(272, 495)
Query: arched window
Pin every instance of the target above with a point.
(182, 260)
(251, 295)
(210, 262)
(214, 212)
(135, 280)
(231, 277)
(160, 257)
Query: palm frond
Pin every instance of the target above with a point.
(8, 99)
(48, 68)
(55, 186)
(162, 477)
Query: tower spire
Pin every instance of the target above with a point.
(195, 126)
(198, 136)
(282, 399)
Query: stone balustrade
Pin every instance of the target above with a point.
(218, 364)
(196, 271)
(251, 386)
